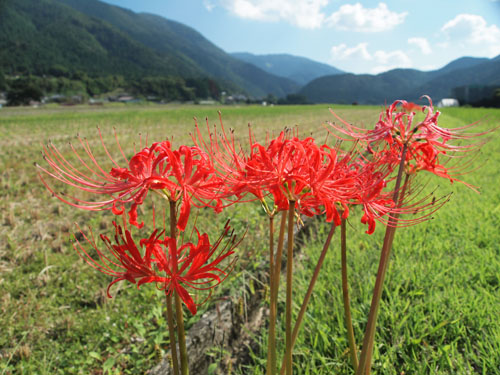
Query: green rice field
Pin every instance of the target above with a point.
(440, 307)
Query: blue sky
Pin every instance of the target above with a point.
(355, 36)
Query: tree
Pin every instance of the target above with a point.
(58, 71)
(3, 81)
(293, 99)
(271, 99)
(22, 91)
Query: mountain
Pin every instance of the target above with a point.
(172, 38)
(36, 36)
(483, 74)
(461, 63)
(99, 39)
(360, 88)
(406, 84)
(298, 69)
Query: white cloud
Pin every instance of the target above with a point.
(356, 18)
(309, 14)
(377, 62)
(470, 30)
(429, 67)
(390, 60)
(421, 43)
(342, 52)
(208, 5)
(397, 57)
(305, 14)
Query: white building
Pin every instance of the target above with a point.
(448, 102)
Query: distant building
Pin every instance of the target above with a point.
(124, 98)
(448, 102)
(236, 98)
(94, 101)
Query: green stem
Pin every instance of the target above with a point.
(171, 333)
(181, 335)
(178, 303)
(307, 297)
(289, 274)
(271, 341)
(274, 292)
(345, 292)
(396, 216)
(170, 308)
(365, 359)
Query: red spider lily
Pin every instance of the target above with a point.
(399, 126)
(378, 205)
(411, 107)
(331, 184)
(320, 178)
(89, 176)
(257, 171)
(375, 205)
(427, 143)
(230, 160)
(181, 175)
(370, 181)
(174, 269)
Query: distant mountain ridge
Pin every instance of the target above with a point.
(298, 69)
(406, 84)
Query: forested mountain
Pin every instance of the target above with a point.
(403, 83)
(37, 36)
(461, 63)
(299, 69)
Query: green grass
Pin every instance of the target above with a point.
(440, 303)
(440, 306)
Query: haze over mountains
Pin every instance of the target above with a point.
(298, 69)
(101, 39)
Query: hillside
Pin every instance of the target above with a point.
(100, 39)
(36, 36)
(170, 38)
(298, 69)
(461, 63)
(485, 73)
(403, 83)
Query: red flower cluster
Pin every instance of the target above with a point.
(174, 269)
(320, 179)
(426, 142)
(185, 175)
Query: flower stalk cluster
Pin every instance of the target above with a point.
(290, 176)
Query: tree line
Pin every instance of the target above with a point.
(21, 90)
